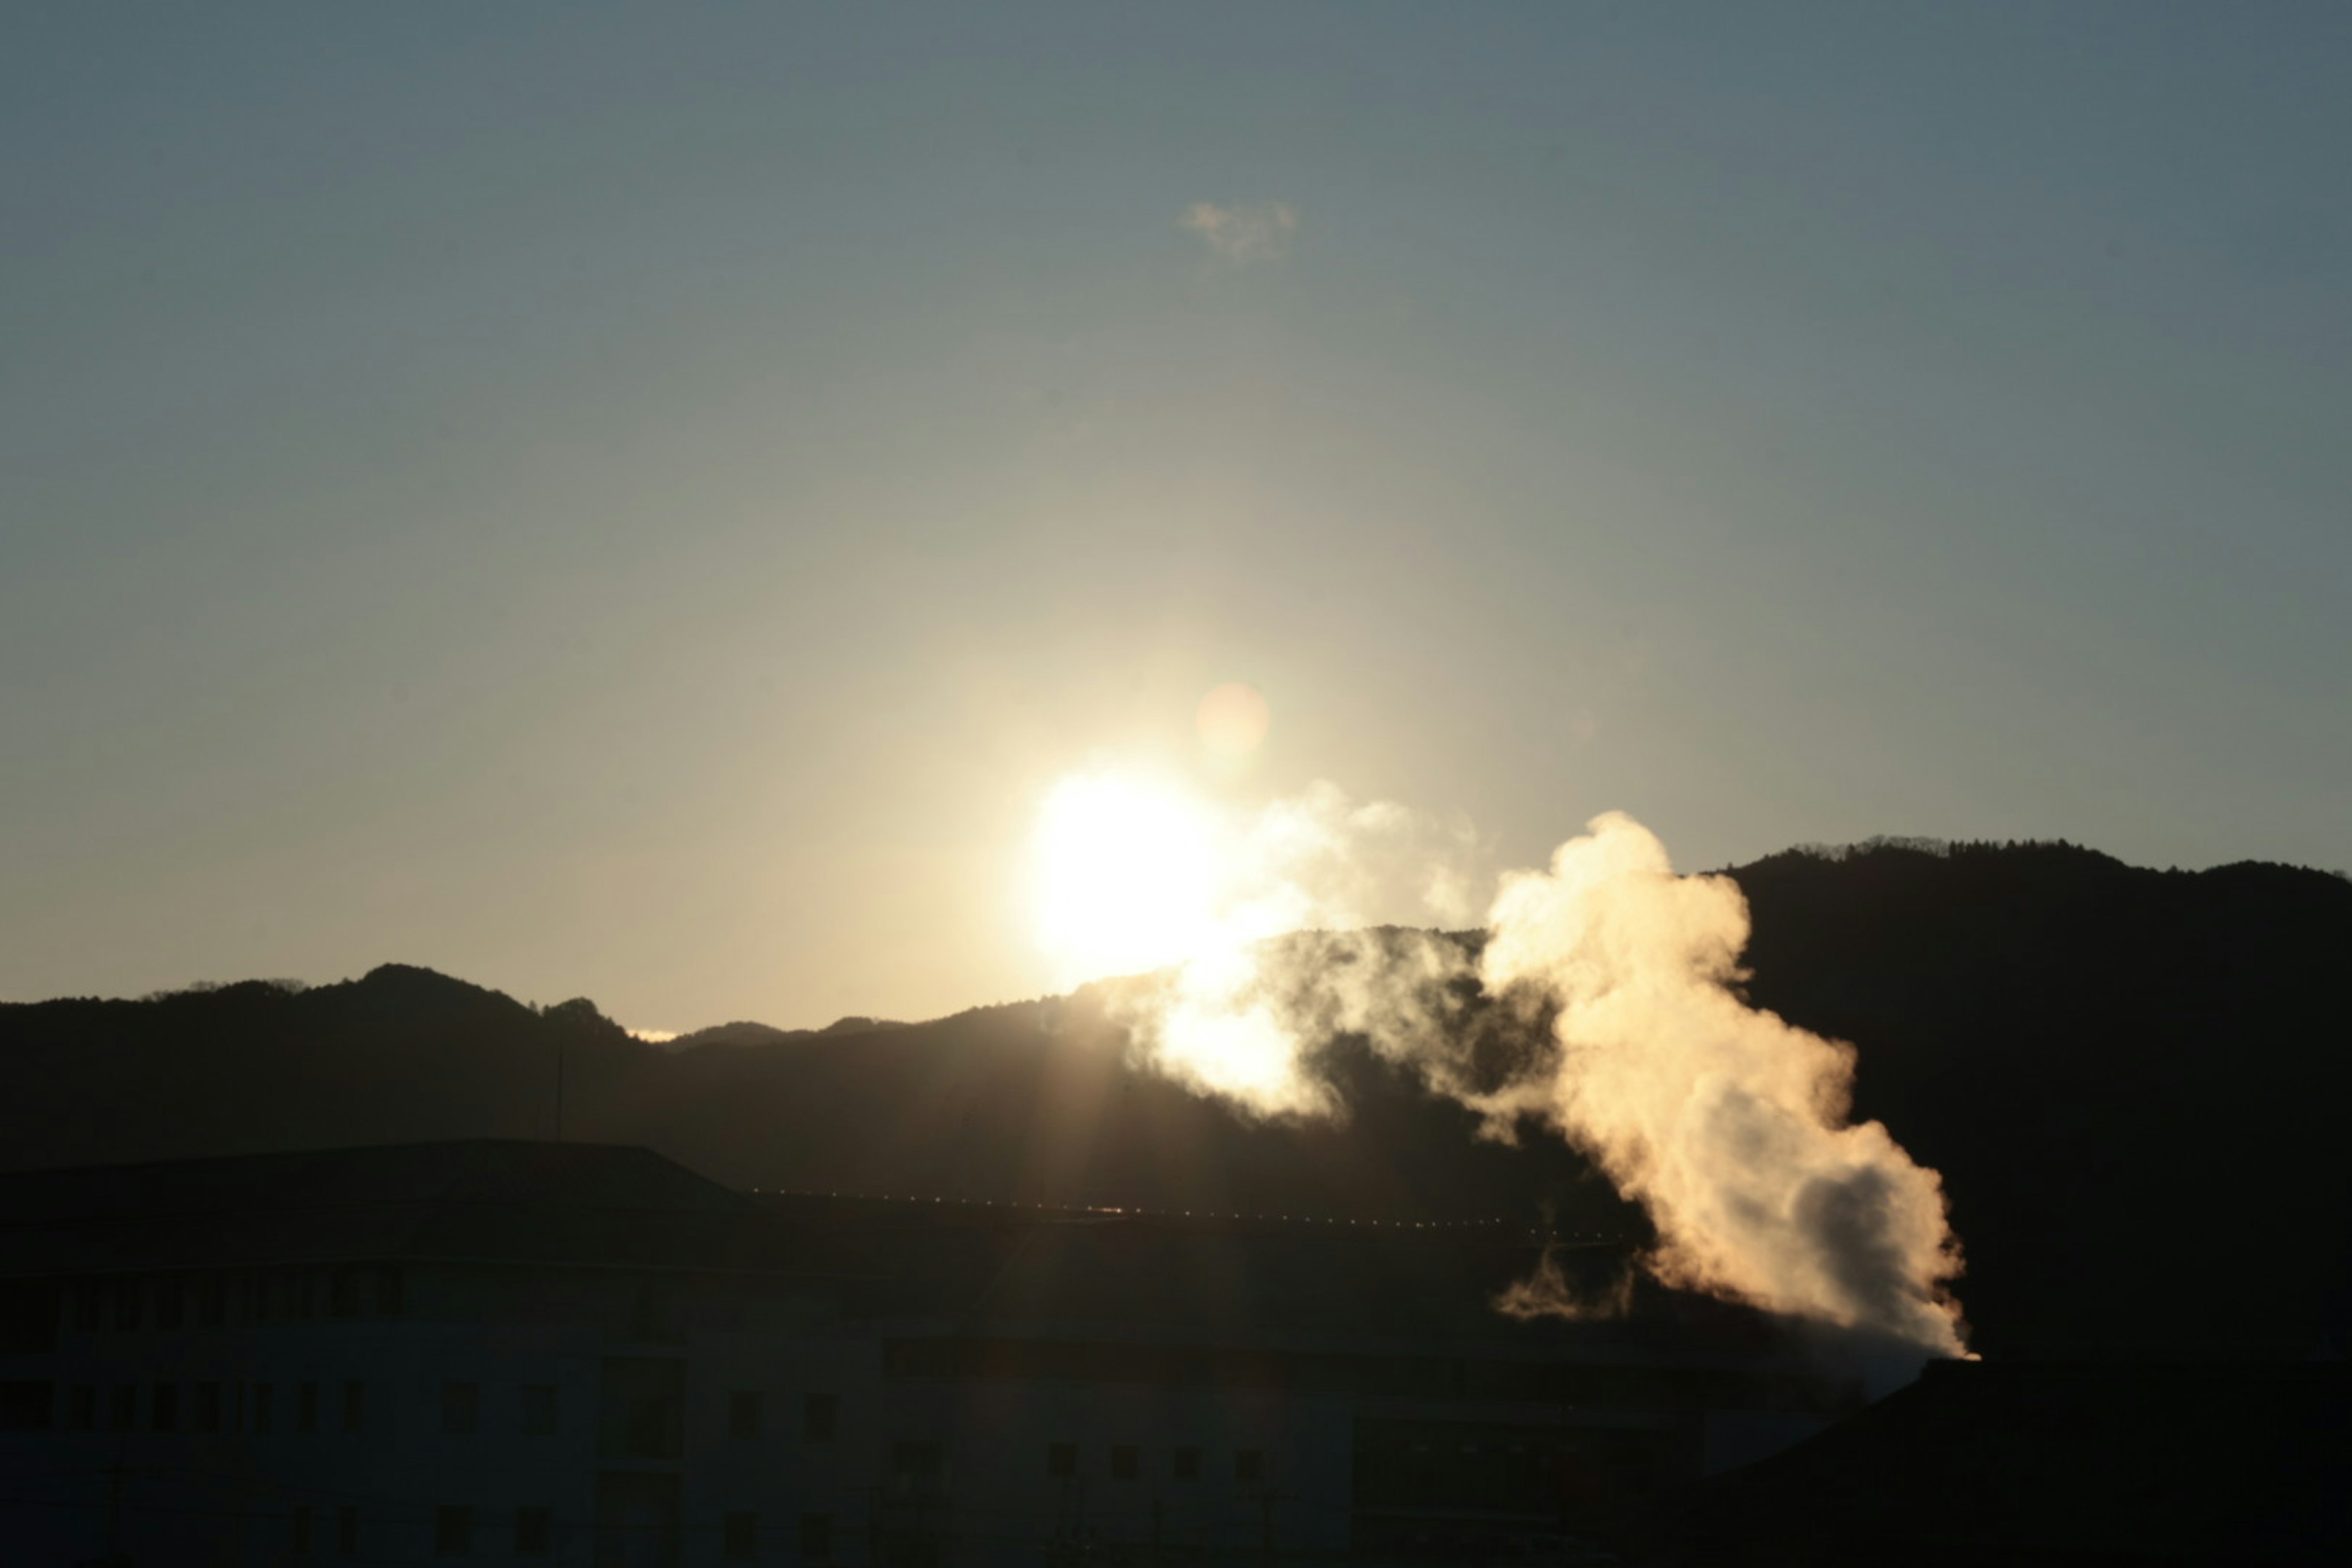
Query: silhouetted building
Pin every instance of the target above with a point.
(589, 1355)
(2043, 1463)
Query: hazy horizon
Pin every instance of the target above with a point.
(651, 505)
(664, 1036)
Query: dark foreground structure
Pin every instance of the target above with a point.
(589, 1354)
(2083, 1464)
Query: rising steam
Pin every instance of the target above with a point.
(1729, 1124)
(1232, 1022)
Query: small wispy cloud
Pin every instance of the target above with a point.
(1259, 231)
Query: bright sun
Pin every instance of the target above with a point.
(1126, 877)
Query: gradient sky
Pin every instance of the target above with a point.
(644, 500)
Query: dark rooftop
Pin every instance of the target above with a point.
(959, 1268)
(487, 1200)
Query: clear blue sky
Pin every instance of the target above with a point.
(643, 500)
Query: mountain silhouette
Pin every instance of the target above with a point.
(2130, 1079)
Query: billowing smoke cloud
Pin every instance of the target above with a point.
(1729, 1124)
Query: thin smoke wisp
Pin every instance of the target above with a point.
(1240, 1021)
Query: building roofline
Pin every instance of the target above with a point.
(332, 1151)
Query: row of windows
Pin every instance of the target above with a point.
(347, 1530)
(454, 1532)
(533, 1412)
(461, 1411)
(747, 1414)
(1184, 1463)
(212, 1406)
(461, 1530)
(202, 1406)
(455, 1529)
(920, 1466)
(213, 1300)
(33, 1312)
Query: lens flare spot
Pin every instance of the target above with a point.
(1231, 720)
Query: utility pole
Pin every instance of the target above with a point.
(558, 1088)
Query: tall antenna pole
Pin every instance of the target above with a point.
(559, 1089)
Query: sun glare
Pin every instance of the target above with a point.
(1125, 877)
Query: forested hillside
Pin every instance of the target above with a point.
(2131, 1080)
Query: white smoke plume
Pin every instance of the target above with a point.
(1726, 1122)
(1729, 1124)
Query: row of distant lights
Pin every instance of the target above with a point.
(1184, 1214)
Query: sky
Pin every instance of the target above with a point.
(646, 502)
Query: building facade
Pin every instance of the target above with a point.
(582, 1354)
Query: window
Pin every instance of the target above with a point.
(265, 1406)
(126, 1407)
(306, 1407)
(1061, 1460)
(168, 1299)
(739, 1535)
(642, 1412)
(534, 1531)
(537, 1409)
(88, 1308)
(918, 1471)
(354, 1406)
(1249, 1467)
(452, 1531)
(204, 1411)
(347, 1529)
(27, 1406)
(1126, 1461)
(163, 1407)
(917, 1461)
(743, 1413)
(302, 1532)
(126, 1303)
(640, 1518)
(212, 1305)
(819, 1416)
(658, 1320)
(460, 1406)
(389, 1291)
(1184, 1464)
(82, 1407)
(28, 1316)
(816, 1538)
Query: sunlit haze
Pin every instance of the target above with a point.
(1128, 877)
(776, 512)
(1480, 781)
